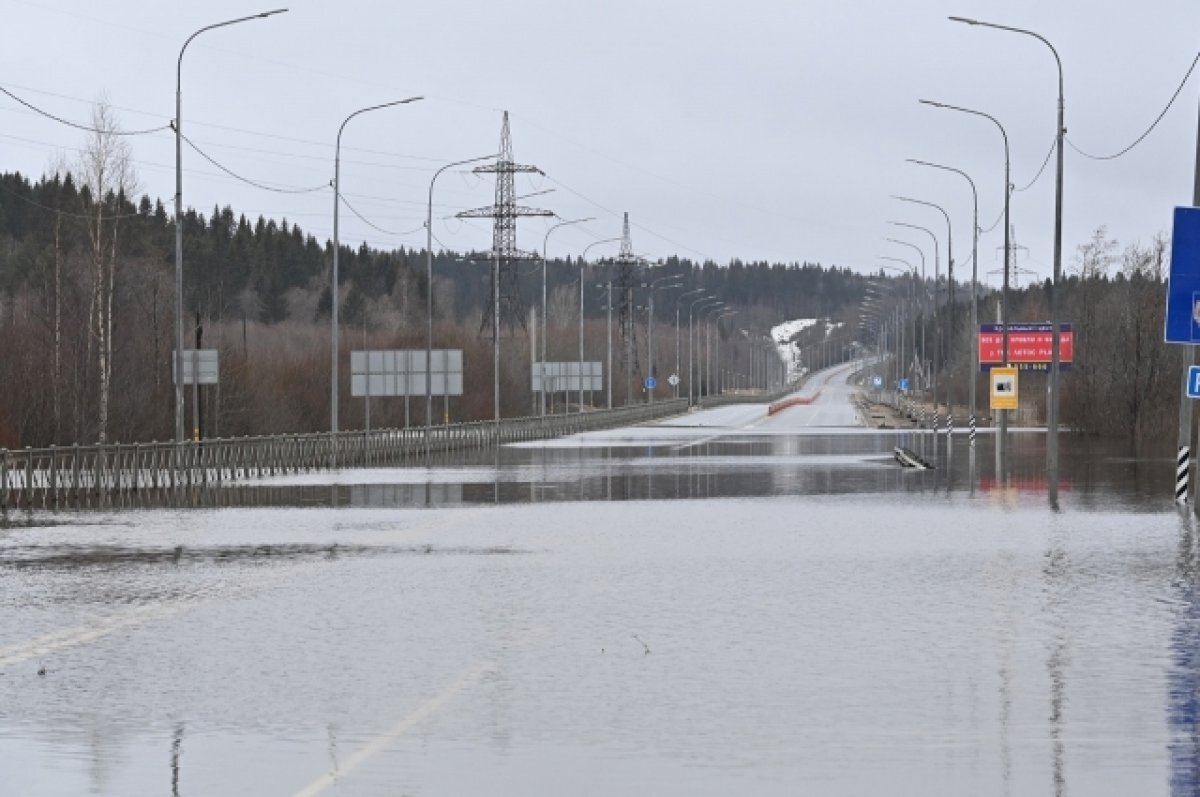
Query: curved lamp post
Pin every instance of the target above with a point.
(337, 201)
(949, 342)
(974, 294)
(582, 265)
(179, 435)
(545, 244)
(702, 302)
(429, 291)
(654, 286)
(678, 301)
(1002, 445)
(1052, 387)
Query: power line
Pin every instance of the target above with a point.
(247, 180)
(1150, 129)
(1040, 171)
(76, 125)
(374, 226)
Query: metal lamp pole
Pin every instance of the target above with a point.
(545, 243)
(937, 327)
(706, 374)
(726, 314)
(678, 301)
(582, 264)
(1052, 386)
(974, 294)
(1002, 445)
(653, 285)
(429, 291)
(703, 301)
(949, 336)
(337, 196)
(179, 434)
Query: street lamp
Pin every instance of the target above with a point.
(545, 243)
(728, 312)
(337, 201)
(1052, 387)
(1002, 445)
(937, 328)
(429, 292)
(706, 370)
(582, 265)
(703, 301)
(948, 348)
(653, 285)
(974, 295)
(179, 437)
(679, 300)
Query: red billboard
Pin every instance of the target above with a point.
(1029, 346)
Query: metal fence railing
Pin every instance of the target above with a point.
(70, 475)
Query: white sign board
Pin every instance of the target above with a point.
(402, 373)
(202, 362)
(565, 377)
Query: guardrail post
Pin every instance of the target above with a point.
(29, 475)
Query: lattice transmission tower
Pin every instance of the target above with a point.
(627, 264)
(504, 252)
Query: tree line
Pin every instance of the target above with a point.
(87, 312)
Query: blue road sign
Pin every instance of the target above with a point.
(903, 385)
(651, 383)
(1183, 286)
(1194, 381)
(877, 381)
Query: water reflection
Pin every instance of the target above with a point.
(1094, 474)
(1183, 681)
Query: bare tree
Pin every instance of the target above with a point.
(106, 171)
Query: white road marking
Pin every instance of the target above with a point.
(464, 681)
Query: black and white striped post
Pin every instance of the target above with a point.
(1182, 463)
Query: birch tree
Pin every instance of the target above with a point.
(106, 172)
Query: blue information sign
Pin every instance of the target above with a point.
(1183, 287)
(651, 383)
(903, 385)
(1193, 387)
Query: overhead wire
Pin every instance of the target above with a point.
(78, 126)
(247, 180)
(1153, 125)
(375, 226)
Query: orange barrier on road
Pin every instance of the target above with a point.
(783, 404)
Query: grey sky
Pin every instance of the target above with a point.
(761, 130)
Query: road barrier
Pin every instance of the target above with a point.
(75, 475)
(783, 404)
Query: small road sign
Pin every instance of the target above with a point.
(877, 381)
(903, 385)
(673, 380)
(651, 383)
(1004, 388)
(1193, 385)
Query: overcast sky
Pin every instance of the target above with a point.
(761, 129)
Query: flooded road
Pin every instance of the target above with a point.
(721, 603)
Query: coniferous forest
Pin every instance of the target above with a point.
(87, 319)
(87, 315)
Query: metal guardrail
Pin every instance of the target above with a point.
(73, 475)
